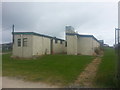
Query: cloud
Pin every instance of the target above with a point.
(50, 18)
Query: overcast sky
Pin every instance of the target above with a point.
(49, 18)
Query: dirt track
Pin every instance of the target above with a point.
(87, 76)
(85, 79)
(16, 83)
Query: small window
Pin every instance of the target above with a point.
(65, 44)
(24, 41)
(61, 42)
(56, 40)
(19, 42)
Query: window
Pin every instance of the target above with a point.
(56, 41)
(61, 42)
(19, 42)
(24, 42)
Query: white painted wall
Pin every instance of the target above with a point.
(77, 45)
(41, 45)
(71, 44)
(85, 45)
(58, 47)
(36, 45)
(95, 44)
(17, 51)
(46, 45)
(27, 50)
(22, 51)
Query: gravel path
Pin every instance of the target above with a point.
(17, 83)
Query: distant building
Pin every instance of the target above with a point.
(29, 44)
(80, 44)
(6, 47)
(106, 45)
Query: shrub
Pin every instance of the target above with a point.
(97, 50)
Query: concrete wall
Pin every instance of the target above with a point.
(41, 45)
(21, 51)
(96, 44)
(71, 44)
(37, 45)
(80, 45)
(58, 47)
(85, 45)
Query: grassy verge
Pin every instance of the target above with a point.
(6, 51)
(50, 68)
(106, 72)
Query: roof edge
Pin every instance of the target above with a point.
(37, 34)
(83, 36)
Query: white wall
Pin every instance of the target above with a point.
(58, 47)
(95, 44)
(41, 45)
(85, 45)
(27, 50)
(22, 51)
(36, 45)
(71, 44)
(78, 45)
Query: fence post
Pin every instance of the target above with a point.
(117, 47)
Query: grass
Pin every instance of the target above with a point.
(61, 69)
(106, 73)
(6, 51)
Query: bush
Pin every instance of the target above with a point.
(97, 50)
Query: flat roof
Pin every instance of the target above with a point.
(37, 34)
(82, 35)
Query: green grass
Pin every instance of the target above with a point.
(6, 51)
(62, 69)
(107, 69)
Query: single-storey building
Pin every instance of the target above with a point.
(80, 44)
(29, 44)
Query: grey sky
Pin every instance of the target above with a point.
(98, 19)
